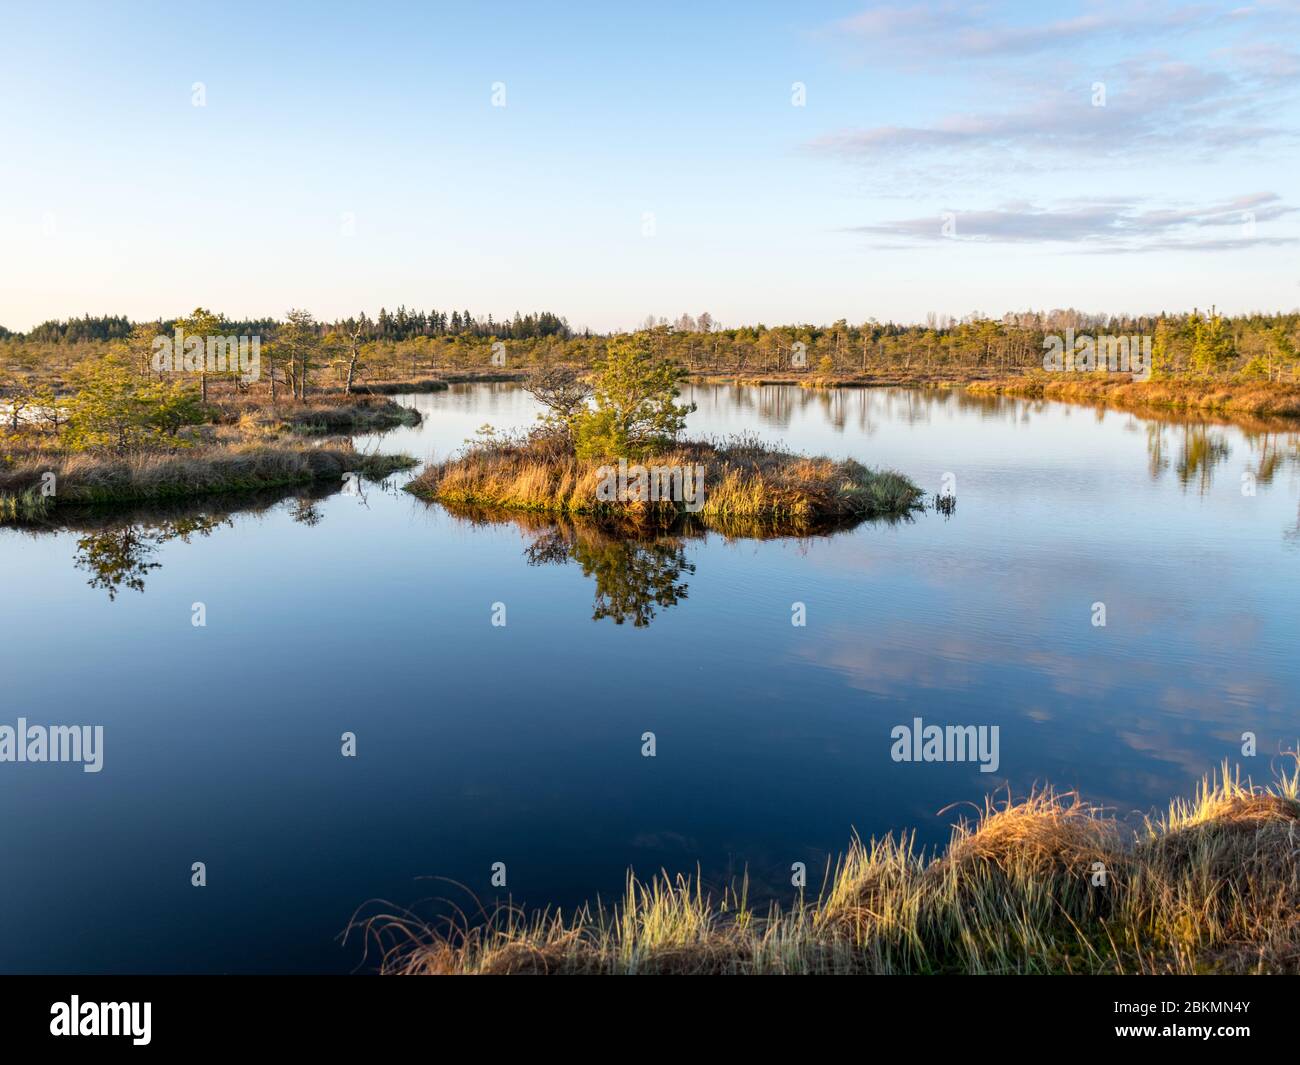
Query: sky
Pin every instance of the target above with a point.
(765, 162)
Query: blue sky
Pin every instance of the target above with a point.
(648, 159)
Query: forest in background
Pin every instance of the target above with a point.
(300, 352)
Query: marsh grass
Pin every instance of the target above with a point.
(88, 478)
(248, 444)
(1212, 885)
(325, 412)
(894, 377)
(1245, 396)
(397, 382)
(743, 483)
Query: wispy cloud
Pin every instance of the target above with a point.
(1108, 225)
(1025, 100)
(900, 33)
(1149, 106)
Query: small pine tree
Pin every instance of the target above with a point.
(1162, 352)
(1212, 348)
(116, 409)
(635, 413)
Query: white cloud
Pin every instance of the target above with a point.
(1109, 224)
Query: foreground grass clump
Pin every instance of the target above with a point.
(1260, 399)
(741, 481)
(88, 478)
(1211, 886)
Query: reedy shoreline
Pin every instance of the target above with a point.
(1251, 398)
(1210, 886)
(81, 480)
(249, 444)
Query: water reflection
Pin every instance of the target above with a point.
(1192, 449)
(638, 571)
(1291, 534)
(635, 576)
(1197, 449)
(118, 547)
(122, 556)
(782, 735)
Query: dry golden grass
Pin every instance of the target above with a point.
(892, 377)
(1212, 886)
(250, 443)
(100, 478)
(393, 383)
(1248, 397)
(743, 482)
(321, 412)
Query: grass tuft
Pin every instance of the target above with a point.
(1212, 886)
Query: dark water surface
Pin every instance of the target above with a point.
(522, 744)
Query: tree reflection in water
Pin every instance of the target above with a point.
(635, 576)
(119, 549)
(639, 569)
(1199, 449)
(122, 557)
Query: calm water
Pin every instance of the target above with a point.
(522, 744)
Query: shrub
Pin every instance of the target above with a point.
(635, 413)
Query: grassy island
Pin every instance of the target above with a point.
(120, 426)
(146, 476)
(1047, 885)
(320, 414)
(725, 481)
(611, 447)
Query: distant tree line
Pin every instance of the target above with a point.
(388, 325)
(359, 349)
(1201, 343)
(407, 325)
(87, 327)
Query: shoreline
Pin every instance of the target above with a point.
(1266, 401)
(91, 480)
(1253, 399)
(871, 379)
(1048, 885)
(439, 383)
(246, 445)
